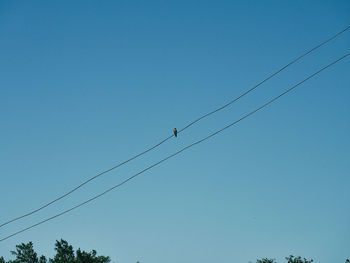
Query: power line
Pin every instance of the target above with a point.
(180, 151)
(269, 77)
(169, 137)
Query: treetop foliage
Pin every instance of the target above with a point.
(292, 259)
(65, 253)
(266, 260)
(25, 253)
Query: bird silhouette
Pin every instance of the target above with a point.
(175, 132)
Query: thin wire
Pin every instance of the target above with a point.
(269, 77)
(82, 184)
(169, 137)
(180, 151)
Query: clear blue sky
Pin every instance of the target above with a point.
(87, 84)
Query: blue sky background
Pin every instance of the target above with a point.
(87, 84)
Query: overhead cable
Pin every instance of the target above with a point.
(169, 137)
(180, 151)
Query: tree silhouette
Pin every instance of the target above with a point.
(85, 257)
(25, 253)
(265, 260)
(292, 259)
(64, 253)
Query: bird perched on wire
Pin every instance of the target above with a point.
(175, 132)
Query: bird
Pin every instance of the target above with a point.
(175, 132)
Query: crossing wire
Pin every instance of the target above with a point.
(181, 130)
(180, 151)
